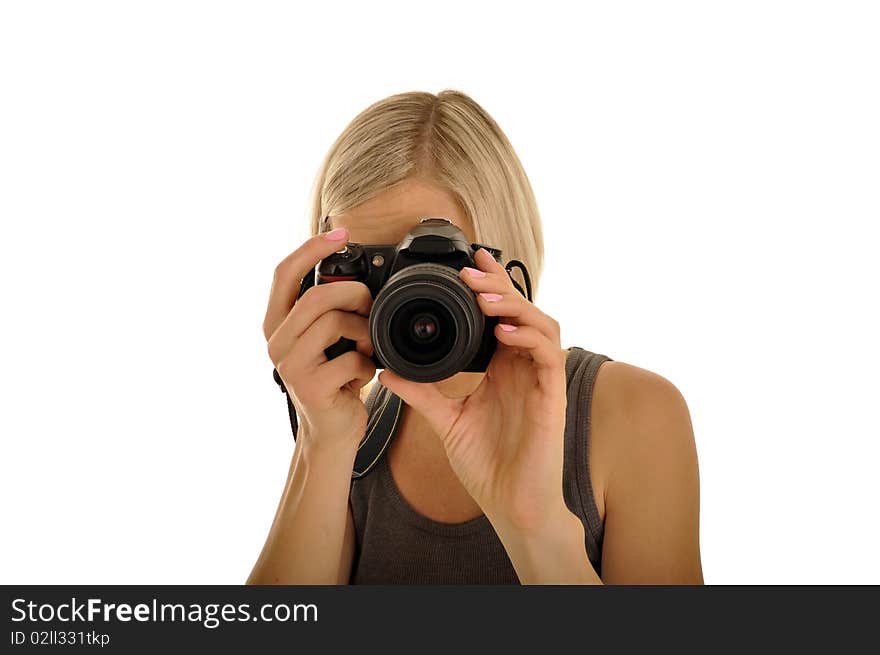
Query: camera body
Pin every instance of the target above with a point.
(425, 323)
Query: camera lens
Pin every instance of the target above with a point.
(422, 331)
(425, 324)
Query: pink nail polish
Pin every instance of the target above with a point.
(507, 327)
(491, 297)
(473, 272)
(338, 234)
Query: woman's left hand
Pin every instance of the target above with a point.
(505, 440)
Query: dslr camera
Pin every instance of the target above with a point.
(425, 323)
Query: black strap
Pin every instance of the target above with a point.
(379, 432)
(515, 263)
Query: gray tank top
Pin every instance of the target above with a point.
(395, 544)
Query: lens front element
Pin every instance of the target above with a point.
(424, 328)
(425, 323)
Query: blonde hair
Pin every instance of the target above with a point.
(448, 140)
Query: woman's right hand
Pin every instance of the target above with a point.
(325, 393)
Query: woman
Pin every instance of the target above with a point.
(555, 466)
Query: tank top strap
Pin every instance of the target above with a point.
(581, 368)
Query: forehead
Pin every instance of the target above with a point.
(387, 217)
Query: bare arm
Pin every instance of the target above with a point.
(652, 493)
(311, 540)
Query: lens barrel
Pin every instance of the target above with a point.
(425, 323)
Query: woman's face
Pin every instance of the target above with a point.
(388, 217)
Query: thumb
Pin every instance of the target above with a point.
(425, 398)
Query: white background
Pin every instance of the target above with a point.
(708, 178)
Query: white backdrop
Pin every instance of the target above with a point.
(708, 179)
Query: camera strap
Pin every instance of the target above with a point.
(515, 263)
(380, 429)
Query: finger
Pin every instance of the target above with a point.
(479, 281)
(292, 269)
(334, 374)
(327, 330)
(549, 359)
(514, 308)
(357, 384)
(486, 262)
(490, 276)
(425, 398)
(348, 295)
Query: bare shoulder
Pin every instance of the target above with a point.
(638, 418)
(644, 459)
(633, 394)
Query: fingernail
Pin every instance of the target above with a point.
(336, 235)
(507, 327)
(473, 272)
(491, 297)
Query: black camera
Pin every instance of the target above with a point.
(425, 323)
